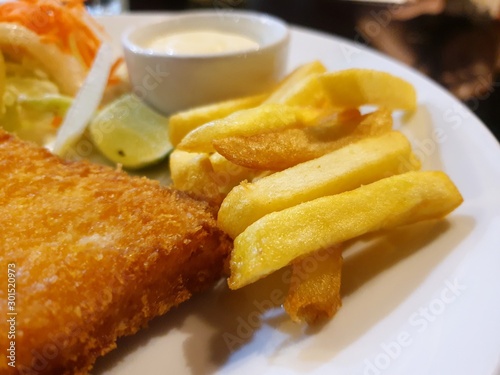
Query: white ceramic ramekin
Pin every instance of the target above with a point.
(171, 83)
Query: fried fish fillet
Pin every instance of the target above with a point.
(95, 254)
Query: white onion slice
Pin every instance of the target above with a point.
(86, 102)
(64, 69)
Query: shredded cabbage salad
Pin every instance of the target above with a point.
(46, 50)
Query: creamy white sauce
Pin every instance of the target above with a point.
(201, 42)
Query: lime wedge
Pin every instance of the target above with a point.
(129, 132)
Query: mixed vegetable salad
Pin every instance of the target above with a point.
(47, 49)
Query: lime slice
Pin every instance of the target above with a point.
(129, 132)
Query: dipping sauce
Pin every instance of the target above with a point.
(202, 42)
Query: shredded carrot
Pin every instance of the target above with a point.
(57, 121)
(57, 22)
(112, 77)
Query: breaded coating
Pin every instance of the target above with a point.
(96, 255)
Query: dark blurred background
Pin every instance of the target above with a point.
(458, 46)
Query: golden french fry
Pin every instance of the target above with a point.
(353, 88)
(268, 151)
(208, 176)
(308, 92)
(280, 150)
(281, 237)
(262, 119)
(192, 172)
(289, 87)
(183, 122)
(227, 175)
(314, 293)
(345, 169)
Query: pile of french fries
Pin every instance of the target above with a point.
(299, 171)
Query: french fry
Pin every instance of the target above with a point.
(353, 88)
(286, 92)
(314, 293)
(208, 176)
(193, 172)
(228, 175)
(308, 92)
(262, 119)
(183, 122)
(281, 237)
(345, 169)
(280, 150)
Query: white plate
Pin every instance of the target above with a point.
(425, 300)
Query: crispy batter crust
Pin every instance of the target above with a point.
(97, 254)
